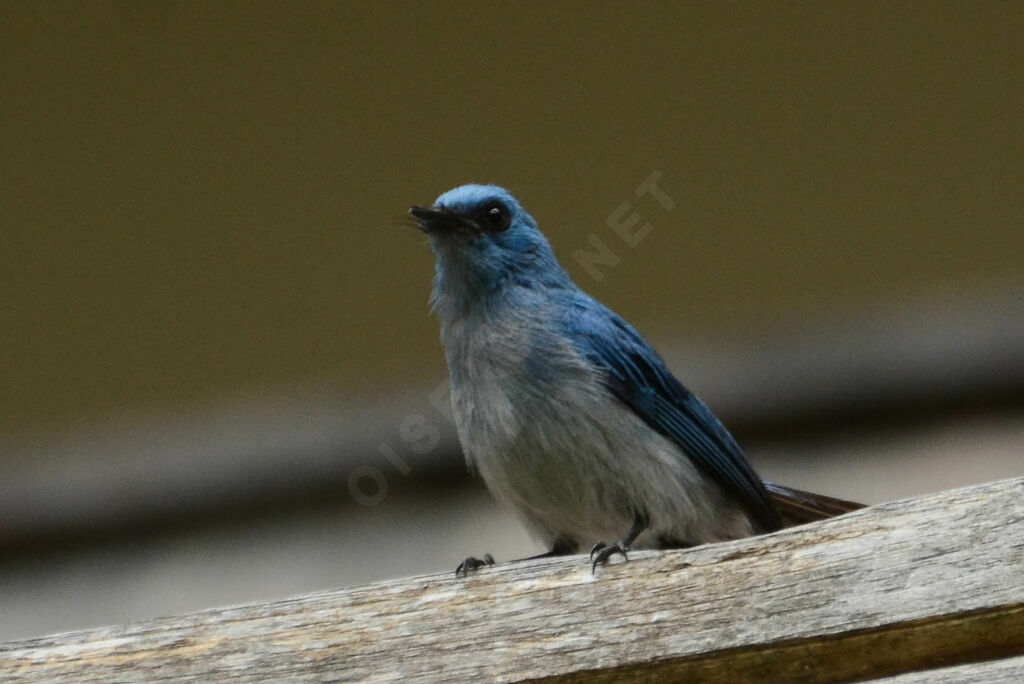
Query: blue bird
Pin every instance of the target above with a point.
(569, 416)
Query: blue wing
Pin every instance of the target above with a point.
(640, 379)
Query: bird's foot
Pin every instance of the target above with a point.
(472, 564)
(602, 552)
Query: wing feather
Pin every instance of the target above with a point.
(638, 377)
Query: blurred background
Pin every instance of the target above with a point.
(221, 382)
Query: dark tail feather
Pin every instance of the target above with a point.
(798, 507)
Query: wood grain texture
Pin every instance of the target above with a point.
(923, 583)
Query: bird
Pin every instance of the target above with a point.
(568, 414)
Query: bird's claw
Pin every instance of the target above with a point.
(472, 564)
(602, 552)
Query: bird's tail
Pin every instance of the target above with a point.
(797, 507)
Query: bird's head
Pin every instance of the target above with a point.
(484, 240)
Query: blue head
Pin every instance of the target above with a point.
(484, 241)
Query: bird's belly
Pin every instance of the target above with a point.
(577, 464)
(549, 459)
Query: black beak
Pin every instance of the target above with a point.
(439, 220)
(425, 216)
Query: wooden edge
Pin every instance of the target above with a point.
(919, 645)
(906, 586)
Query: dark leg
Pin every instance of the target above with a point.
(561, 547)
(602, 552)
(470, 564)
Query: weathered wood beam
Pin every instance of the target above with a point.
(934, 582)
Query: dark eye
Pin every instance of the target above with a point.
(496, 217)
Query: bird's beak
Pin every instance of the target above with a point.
(439, 220)
(426, 217)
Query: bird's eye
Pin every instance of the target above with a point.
(496, 217)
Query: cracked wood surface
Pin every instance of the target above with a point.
(934, 583)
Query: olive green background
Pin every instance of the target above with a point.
(203, 201)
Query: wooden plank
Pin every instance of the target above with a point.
(921, 583)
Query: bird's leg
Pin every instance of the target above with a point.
(471, 564)
(561, 547)
(602, 552)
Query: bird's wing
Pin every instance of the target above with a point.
(639, 378)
